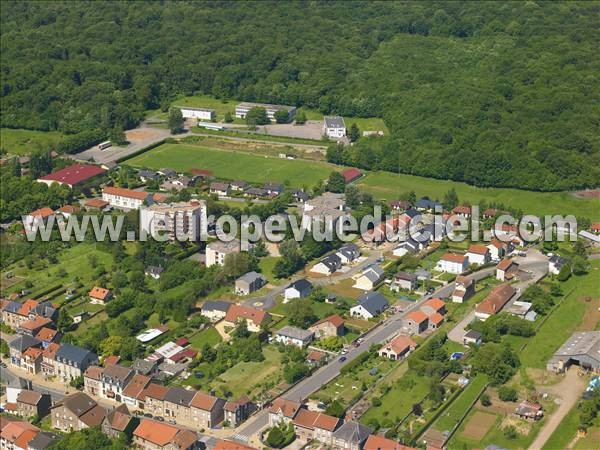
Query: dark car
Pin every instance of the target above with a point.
(430, 291)
(159, 418)
(342, 359)
(148, 415)
(356, 344)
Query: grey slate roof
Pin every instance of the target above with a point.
(148, 174)
(12, 307)
(154, 270)
(350, 251)
(301, 285)
(373, 302)
(42, 441)
(558, 261)
(332, 261)
(406, 276)
(374, 273)
(425, 203)
(259, 192)
(23, 342)
(251, 277)
(72, 353)
(270, 186)
(179, 396)
(472, 334)
(334, 122)
(295, 333)
(44, 309)
(353, 432)
(216, 305)
(143, 367)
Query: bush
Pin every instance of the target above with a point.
(510, 432)
(485, 400)
(376, 402)
(507, 394)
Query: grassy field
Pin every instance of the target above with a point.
(267, 264)
(235, 165)
(321, 310)
(23, 142)
(449, 419)
(208, 336)
(565, 319)
(389, 186)
(244, 133)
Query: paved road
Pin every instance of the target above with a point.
(569, 390)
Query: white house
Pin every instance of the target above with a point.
(499, 249)
(125, 199)
(197, 113)
(369, 305)
(478, 254)
(218, 250)
(369, 278)
(404, 280)
(334, 127)
(348, 253)
(327, 265)
(409, 246)
(324, 209)
(298, 289)
(35, 218)
(294, 336)
(215, 310)
(453, 263)
(175, 220)
(555, 263)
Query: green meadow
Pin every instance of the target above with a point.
(23, 142)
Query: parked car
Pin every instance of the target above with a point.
(342, 359)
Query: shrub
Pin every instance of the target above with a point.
(507, 394)
(485, 400)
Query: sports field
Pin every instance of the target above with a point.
(235, 165)
(388, 186)
(23, 142)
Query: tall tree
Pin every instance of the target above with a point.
(175, 120)
(354, 133)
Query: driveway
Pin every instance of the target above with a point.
(569, 390)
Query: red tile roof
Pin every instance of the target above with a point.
(50, 351)
(380, 443)
(230, 445)
(96, 203)
(156, 391)
(334, 319)
(155, 432)
(46, 334)
(466, 281)
(313, 419)
(462, 210)
(315, 355)
(478, 249)
(35, 323)
(436, 318)
(400, 344)
(287, 407)
(435, 303)
(111, 360)
(494, 302)
(351, 174)
(417, 316)
(74, 174)
(505, 264)
(203, 172)
(203, 401)
(122, 192)
(69, 209)
(94, 372)
(454, 257)
(26, 436)
(137, 384)
(42, 212)
(99, 293)
(27, 306)
(236, 312)
(595, 226)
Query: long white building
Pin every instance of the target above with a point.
(179, 221)
(242, 109)
(125, 199)
(197, 113)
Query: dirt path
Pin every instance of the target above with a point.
(569, 390)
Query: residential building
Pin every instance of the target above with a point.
(334, 127)
(282, 410)
(404, 280)
(499, 249)
(19, 345)
(495, 301)
(206, 410)
(434, 321)
(92, 381)
(313, 425)
(370, 277)
(31, 404)
(48, 359)
(242, 109)
(38, 217)
(217, 251)
(126, 199)
(529, 410)
(153, 435)
(33, 326)
(256, 192)
(154, 271)
(148, 175)
(249, 282)
(433, 305)
(177, 405)
(71, 361)
(328, 265)
(329, 326)
(95, 203)
(16, 435)
(453, 263)
(348, 253)
(369, 305)
(289, 335)
(350, 436)
(398, 348)
(119, 421)
(215, 310)
(376, 442)
(32, 360)
(99, 295)
(523, 310)
(155, 399)
(582, 348)
(144, 367)
(415, 322)
(197, 113)
(408, 246)
(76, 412)
(478, 254)
(238, 185)
(167, 172)
(255, 318)
(237, 411)
(464, 288)
(555, 263)
(351, 174)
(424, 204)
(223, 444)
(298, 289)
(399, 205)
(461, 210)
(324, 210)
(472, 337)
(48, 336)
(219, 188)
(132, 393)
(506, 270)
(182, 220)
(72, 175)
(114, 379)
(42, 441)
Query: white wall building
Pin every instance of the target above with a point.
(218, 250)
(242, 109)
(294, 336)
(334, 127)
(125, 199)
(453, 263)
(197, 113)
(175, 220)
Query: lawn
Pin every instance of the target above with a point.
(266, 266)
(235, 165)
(321, 310)
(389, 186)
(448, 420)
(220, 106)
(364, 123)
(23, 142)
(564, 319)
(208, 336)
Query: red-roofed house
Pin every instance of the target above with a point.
(35, 218)
(398, 348)
(478, 254)
(434, 305)
(72, 175)
(311, 425)
(153, 435)
(32, 360)
(453, 263)
(254, 318)
(231, 445)
(461, 210)
(99, 295)
(375, 442)
(125, 199)
(415, 322)
(506, 270)
(207, 410)
(494, 302)
(95, 203)
(282, 410)
(464, 288)
(68, 210)
(351, 174)
(499, 249)
(31, 327)
(435, 320)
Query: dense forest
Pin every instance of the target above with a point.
(491, 93)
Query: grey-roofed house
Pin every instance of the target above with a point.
(370, 305)
(42, 441)
(71, 361)
(273, 188)
(145, 367)
(370, 277)
(328, 265)
(219, 188)
(18, 345)
(249, 282)
(351, 435)
(44, 309)
(404, 280)
(114, 379)
(582, 348)
(424, 204)
(169, 173)
(334, 127)
(326, 208)
(408, 246)
(555, 263)
(177, 404)
(300, 195)
(348, 253)
(238, 185)
(154, 271)
(289, 335)
(472, 337)
(298, 289)
(215, 309)
(146, 175)
(256, 192)
(76, 412)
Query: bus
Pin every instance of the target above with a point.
(104, 145)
